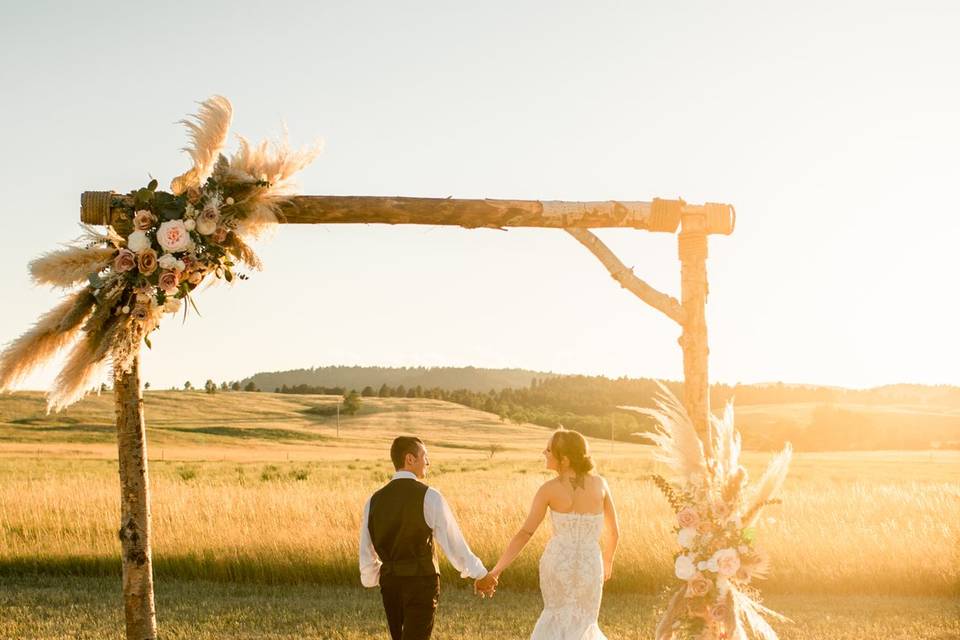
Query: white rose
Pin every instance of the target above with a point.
(168, 261)
(171, 305)
(727, 562)
(190, 224)
(206, 227)
(712, 564)
(683, 568)
(138, 241)
(173, 236)
(686, 537)
(181, 265)
(702, 565)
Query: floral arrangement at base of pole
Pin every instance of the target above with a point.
(161, 246)
(717, 561)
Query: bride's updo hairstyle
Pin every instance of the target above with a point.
(572, 446)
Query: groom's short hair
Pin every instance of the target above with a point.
(402, 445)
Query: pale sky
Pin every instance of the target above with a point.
(832, 127)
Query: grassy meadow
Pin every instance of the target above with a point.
(256, 506)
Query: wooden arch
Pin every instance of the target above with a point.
(695, 224)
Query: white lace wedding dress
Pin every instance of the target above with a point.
(571, 579)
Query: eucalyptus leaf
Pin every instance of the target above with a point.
(143, 196)
(168, 206)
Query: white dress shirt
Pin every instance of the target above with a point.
(446, 533)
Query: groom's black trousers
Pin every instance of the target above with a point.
(410, 603)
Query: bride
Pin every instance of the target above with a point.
(574, 566)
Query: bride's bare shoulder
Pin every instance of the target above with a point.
(602, 483)
(550, 487)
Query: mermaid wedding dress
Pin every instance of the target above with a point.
(571, 579)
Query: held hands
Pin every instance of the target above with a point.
(486, 586)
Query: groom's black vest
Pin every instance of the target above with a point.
(399, 533)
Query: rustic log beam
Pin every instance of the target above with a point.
(97, 207)
(658, 300)
(479, 213)
(135, 544)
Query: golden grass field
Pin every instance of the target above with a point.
(251, 489)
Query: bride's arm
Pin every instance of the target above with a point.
(611, 531)
(537, 511)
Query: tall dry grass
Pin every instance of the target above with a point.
(850, 523)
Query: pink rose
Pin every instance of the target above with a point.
(173, 236)
(207, 220)
(719, 612)
(143, 220)
(698, 585)
(220, 235)
(141, 311)
(147, 261)
(196, 277)
(126, 260)
(688, 518)
(168, 282)
(728, 562)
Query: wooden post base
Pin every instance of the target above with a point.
(137, 559)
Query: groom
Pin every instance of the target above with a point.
(401, 521)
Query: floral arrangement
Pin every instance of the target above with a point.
(159, 248)
(715, 517)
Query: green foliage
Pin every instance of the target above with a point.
(351, 403)
(187, 472)
(270, 473)
(300, 473)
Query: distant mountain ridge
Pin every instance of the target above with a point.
(482, 380)
(353, 377)
(813, 418)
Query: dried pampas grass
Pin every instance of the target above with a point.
(68, 267)
(86, 361)
(664, 629)
(52, 332)
(726, 445)
(245, 254)
(208, 130)
(770, 483)
(81, 370)
(273, 162)
(749, 614)
(678, 445)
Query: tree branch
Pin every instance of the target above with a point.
(656, 299)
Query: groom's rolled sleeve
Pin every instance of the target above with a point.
(369, 560)
(446, 532)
